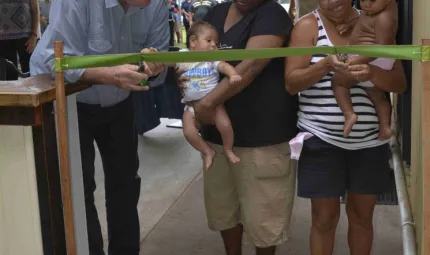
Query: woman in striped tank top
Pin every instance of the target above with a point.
(331, 164)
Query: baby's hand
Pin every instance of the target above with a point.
(235, 79)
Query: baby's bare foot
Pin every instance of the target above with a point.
(384, 133)
(208, 159)
(350, 120)
(232, 157)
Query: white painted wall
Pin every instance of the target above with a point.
(20, 231)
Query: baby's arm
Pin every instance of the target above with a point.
(227, 69)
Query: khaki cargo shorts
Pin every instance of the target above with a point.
(258, 193)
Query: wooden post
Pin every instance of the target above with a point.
(425, 131)
(63, 149)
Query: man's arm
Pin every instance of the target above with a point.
(68, 24)
(159, 35)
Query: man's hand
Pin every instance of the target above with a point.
(128, 77)
(152, 69)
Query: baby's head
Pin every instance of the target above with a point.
(373, 7)
(202, 36)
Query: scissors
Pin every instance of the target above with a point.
(144, 82)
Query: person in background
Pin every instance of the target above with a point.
(178, 26)
(292, 10)
(331, 165)
(185, 8)
(172, 20)
(199, 8)
(106, 111)
(44, 5)
(17, 36)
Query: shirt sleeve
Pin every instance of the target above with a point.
(215, 65)
(209, 15)
(68, 23)
(192, 9)
(159, 35)
(271, 19)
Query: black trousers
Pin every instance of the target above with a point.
(186, 25)
(9, 49)
(113, 129)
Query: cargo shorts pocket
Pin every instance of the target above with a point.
(272, 161)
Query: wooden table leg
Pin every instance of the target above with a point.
(48, 183)
(425, 130)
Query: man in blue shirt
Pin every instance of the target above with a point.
(172, 20)
(185, 8)
(106, 110)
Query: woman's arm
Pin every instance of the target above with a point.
(393, 80)
(34, 4)
(248, 69)
(299, 74)
(389, 81)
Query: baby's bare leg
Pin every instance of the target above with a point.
(340, 85)
(223, 124)
(383, 110)
(191, 133)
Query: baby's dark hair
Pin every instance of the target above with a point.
(197, 28)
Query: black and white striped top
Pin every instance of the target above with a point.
(320, 115)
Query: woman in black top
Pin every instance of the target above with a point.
(257, 193)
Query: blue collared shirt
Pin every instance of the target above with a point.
(98, 27)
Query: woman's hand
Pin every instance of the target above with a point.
(393, 80)
(335, 65)
(31, 43)
(361, 73)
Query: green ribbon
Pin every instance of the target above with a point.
(404, 52)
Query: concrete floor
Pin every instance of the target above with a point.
(167, 166)
(172, 215)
